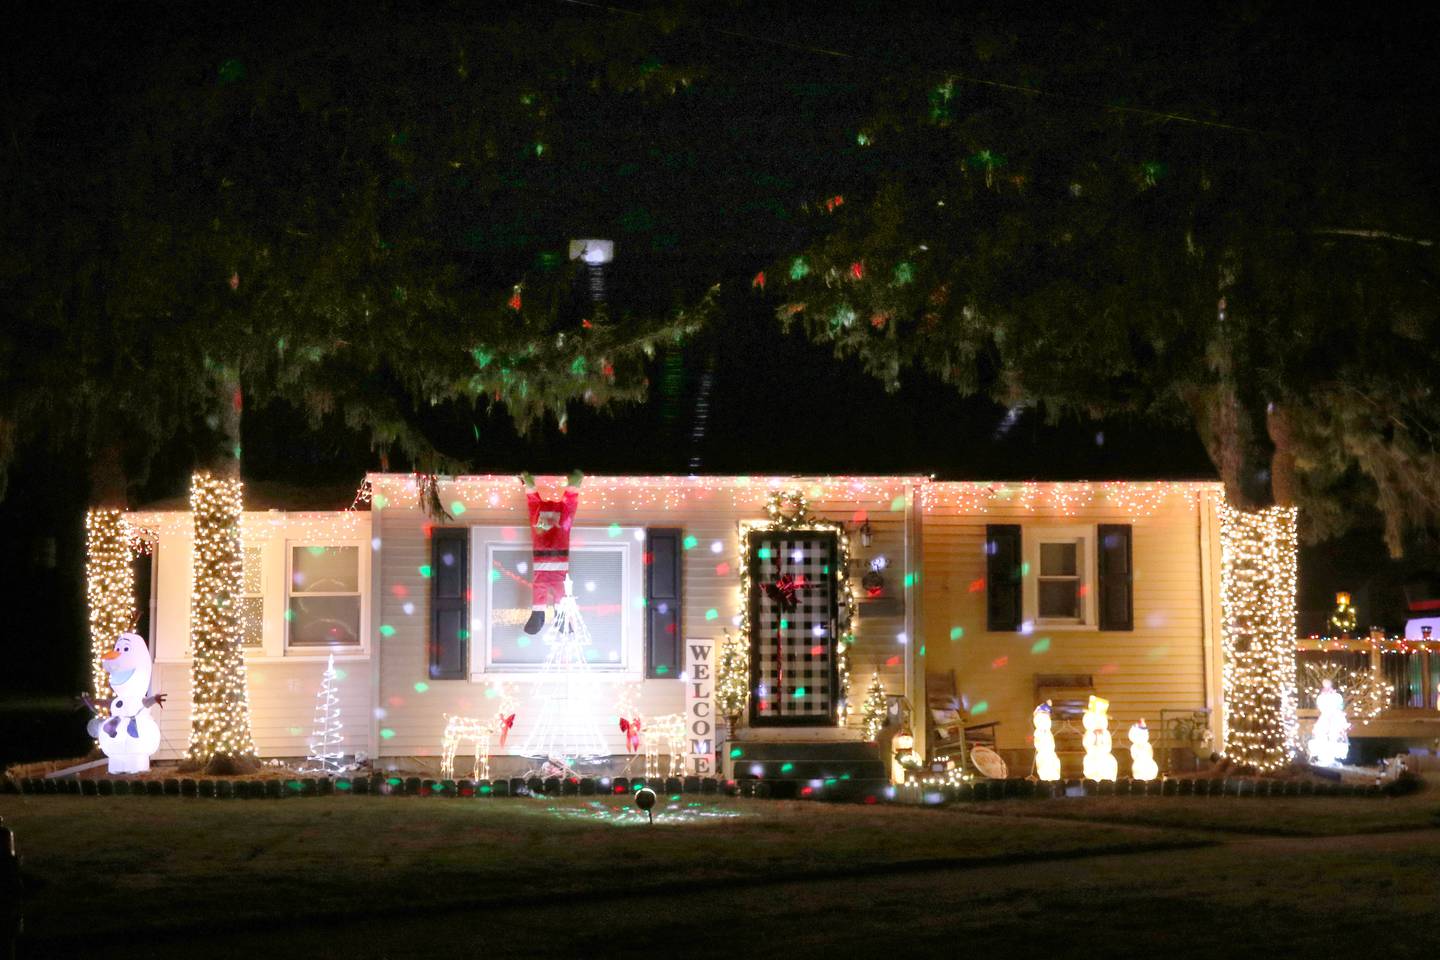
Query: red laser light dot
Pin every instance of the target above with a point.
(999, 662)
(893, 661)
(977, 586)
(400, 590)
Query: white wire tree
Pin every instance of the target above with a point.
(566, 731)
(325, 756)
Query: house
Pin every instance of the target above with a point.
(1002, 594)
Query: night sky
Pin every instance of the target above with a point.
(742, 397)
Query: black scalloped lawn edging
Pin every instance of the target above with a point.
(386, 786)
(831, 790)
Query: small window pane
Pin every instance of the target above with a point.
(325, 570)
(598, 577)
(324, 621)
(251, 571)
(1057, 559)
(1060, 599)
(252, 626)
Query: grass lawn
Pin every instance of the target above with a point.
(1297, 817)
(369, 876)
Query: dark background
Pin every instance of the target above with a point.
(742, 397)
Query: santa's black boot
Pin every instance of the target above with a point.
(536, 623)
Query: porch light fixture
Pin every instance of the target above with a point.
(595, 254)
(904, 740)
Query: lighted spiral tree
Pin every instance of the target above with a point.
(220, 709)
(1257, 599)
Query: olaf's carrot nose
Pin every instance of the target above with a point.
(109, 654)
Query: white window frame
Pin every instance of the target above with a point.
(631, 666)
(301, 653)
(1083, 536)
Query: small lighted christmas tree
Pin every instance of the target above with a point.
(325, 756)
(1343, 619)
(875, 708)
(732, 679)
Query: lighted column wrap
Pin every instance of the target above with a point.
(1257, 601)
(220, 710)
(109, 589)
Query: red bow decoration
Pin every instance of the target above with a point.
(505, 724)
(631, 728)
(782, 591)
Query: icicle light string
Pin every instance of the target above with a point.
(1132, 499)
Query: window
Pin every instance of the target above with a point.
(251, 603)
(1059, 576)
(604, 570)
(324, 596)
(1061, 582)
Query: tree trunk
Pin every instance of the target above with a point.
(1258, 553)
(220, 737)
(109, 573)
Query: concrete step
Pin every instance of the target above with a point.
(839, 751)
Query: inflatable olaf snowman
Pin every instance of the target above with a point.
(129, 735)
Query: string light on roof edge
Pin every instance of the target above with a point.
(1257, 599)
(109, 589)
(220, 707)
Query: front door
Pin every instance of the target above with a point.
(792, 611)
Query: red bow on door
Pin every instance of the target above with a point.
(782, 591)
(505, 724)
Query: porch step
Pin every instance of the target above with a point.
(807, 763)
(837, 751)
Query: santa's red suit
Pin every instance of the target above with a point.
(550, 522)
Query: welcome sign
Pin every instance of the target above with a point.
(700, 706)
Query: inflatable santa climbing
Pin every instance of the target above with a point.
(550, 522)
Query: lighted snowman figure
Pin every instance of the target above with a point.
(1047, 764)
(1142, 756)
(1329, 739)
(130, 735)
(1099, 761)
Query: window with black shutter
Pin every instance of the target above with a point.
(1116, 577)
(663, 554)
(449, 602)
(1002, 576)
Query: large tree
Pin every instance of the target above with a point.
(1197, 261)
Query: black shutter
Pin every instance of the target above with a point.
(662, 602)
(449, 602)
(1117, 603)
(1002, 576)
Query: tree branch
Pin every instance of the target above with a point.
(1373, 235)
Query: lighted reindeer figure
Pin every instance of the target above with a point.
(652, 734)
(479, 731)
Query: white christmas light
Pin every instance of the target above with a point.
(1330, 738)
(1047, 762)
(1142, 755)
(1099, 761)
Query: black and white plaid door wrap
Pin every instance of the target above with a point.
(793, 672)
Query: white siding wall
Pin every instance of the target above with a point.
(282, 686)
(414, 717)
(1163, 663)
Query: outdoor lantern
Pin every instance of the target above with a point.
(866, 534)
(904, 741)
(595, 254)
